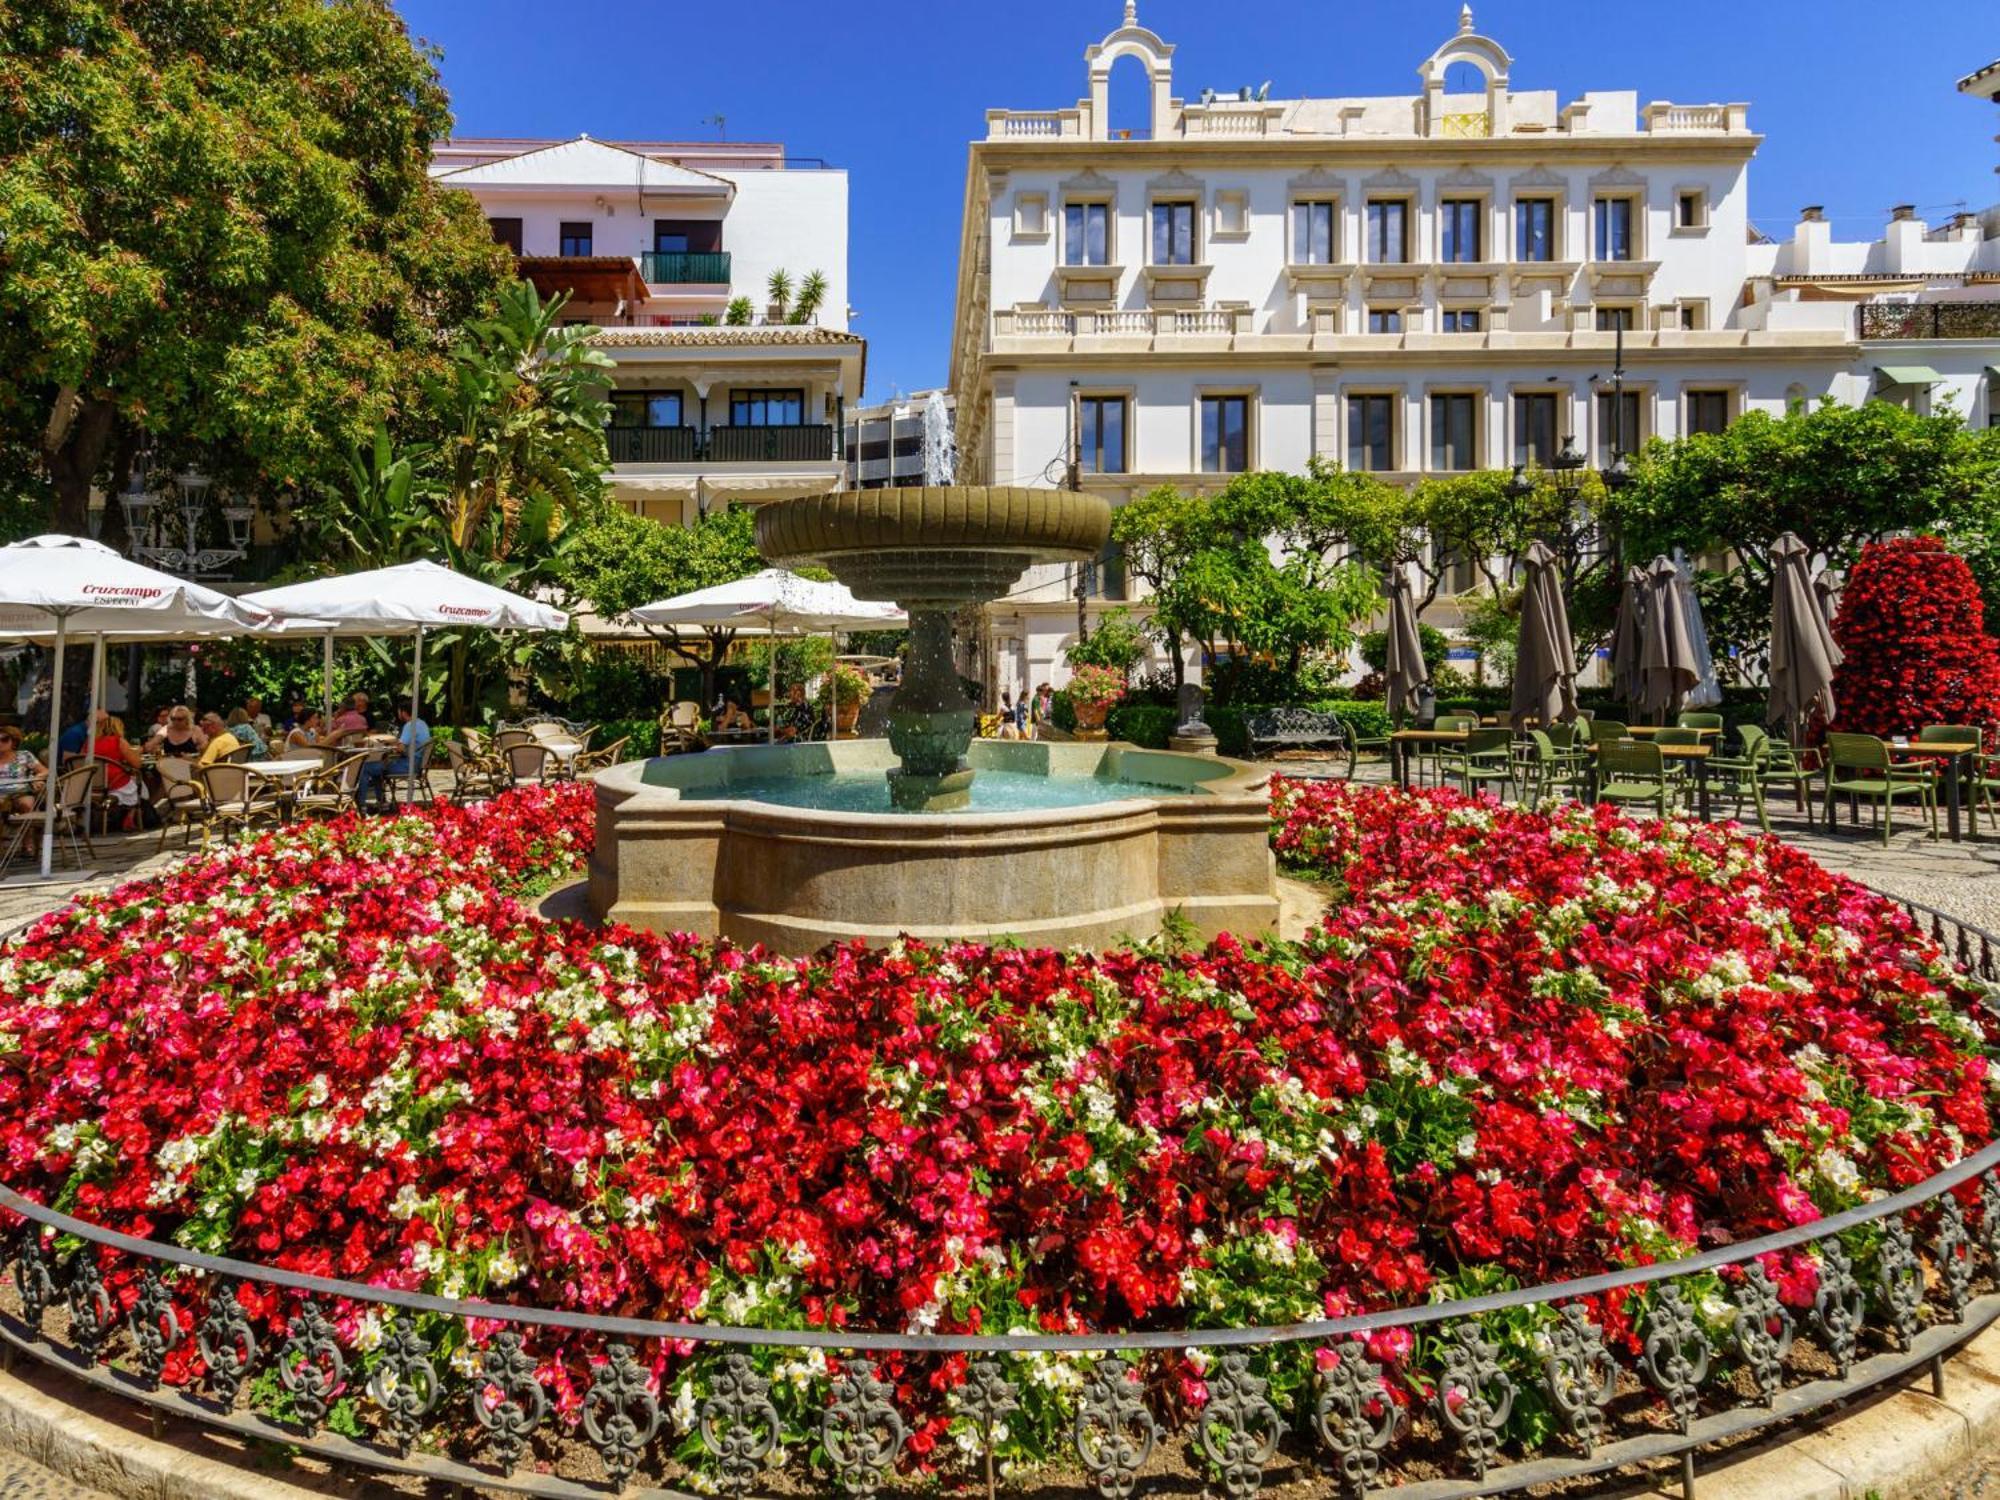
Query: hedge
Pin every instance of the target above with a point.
(1150, 724)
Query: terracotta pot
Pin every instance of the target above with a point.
(845, 716)
(1091, 715)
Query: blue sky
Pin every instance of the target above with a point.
(1855, 98)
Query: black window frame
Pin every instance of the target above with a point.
(506, 231)
(1390, 318)
(567, 238)
(1630, 431)
(1454, 431)
(1306, 213)
(1696, 400)
(742, 402)
(1077, 249)
(1375, 230)
(1611, 319)
(1217, 443)
(1454, 216)
(1182, 241)
(1454, 320)
(1607, 247)
(1371, 432)
(1093, 438)
(624, 402)
(1527, 211)
(1526, 449)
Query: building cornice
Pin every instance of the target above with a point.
(1351, 153)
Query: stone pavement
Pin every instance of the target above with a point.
(21, 1479)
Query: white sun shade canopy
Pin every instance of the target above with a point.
(403, 599)
(775, 601)
(93, 590)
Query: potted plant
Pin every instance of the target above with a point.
(1093, 692)
(842, 692)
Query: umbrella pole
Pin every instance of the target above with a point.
(417, 677)
(55, 735)
(326, 681)
(96, 703)
(771, 714)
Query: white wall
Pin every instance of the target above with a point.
(790, 220)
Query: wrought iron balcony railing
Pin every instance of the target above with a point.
(1929, 320)
(722, 445)
(681, 267)
(652, 445)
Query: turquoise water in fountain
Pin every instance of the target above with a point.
(868, 792)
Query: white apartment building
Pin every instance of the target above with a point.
(1422, 283)
(655, 241)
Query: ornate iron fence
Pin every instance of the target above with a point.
(1713, 1354)
(1928, 320)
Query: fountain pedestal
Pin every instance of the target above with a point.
(931, 722)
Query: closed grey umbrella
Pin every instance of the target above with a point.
(1545, 664)
(1628, 638)
(1668, 668)
(1803, 652)
(1406, 672)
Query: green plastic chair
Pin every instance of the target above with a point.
(1543, 765)
(1859, 765)
(1697, 719)
(1740, 776)
(1603, 730)
(1485, 757)
(1435, 754)
(1632, 773)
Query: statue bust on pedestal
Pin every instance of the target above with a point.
(1192, 736)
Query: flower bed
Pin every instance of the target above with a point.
(1524, 1046)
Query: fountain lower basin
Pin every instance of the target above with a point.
(1136, 834)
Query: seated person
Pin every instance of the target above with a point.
(305, 731)
(121, 773)
(72, 741)
(219, 743)
(180, 735)
(797, 718)
(246, 731)
(416, 737)
(352, 719)
(21, 775)
(729, 714)
(253, 710)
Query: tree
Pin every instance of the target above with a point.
(1116, 643)
(1159, 532)
(221, 237)
(1912, 630)
(619, 561)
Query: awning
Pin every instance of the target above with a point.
(1890, 375)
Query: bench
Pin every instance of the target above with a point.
(1301, 729)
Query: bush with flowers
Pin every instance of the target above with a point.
(1523, 1046)
(1912, 628)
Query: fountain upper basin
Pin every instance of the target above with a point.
(676, 851)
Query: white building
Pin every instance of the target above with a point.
(1429, 282)
(885, 442)
(722, 394)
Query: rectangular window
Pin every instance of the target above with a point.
(1225, 434)
(1707, 411)
(1535, 229)
(646, 409)
(1688, 211)
(1173, 234)
(1454, 429)
(1086, 234)
(1385, 320)
(1617, 426)
(1461, 320)
(1101, 434)
(1371, 434)
(507, 232)
(1458, 229)
(575, 238)
(1535, 427)
(1612, 319)
(687, 236)
(1612, 228)
(1312, 233)
(767, 409)
(1388, 231)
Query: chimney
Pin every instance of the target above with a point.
(1813, 213)
(1903, 211)
(1811, 249)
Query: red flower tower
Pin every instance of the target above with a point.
(1913, 629)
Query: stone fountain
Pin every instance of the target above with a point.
(934, 833)
(932, 551)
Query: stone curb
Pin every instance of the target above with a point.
(1901, 1442)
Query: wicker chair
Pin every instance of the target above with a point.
(329, 791)
(238, 800)
(597, 760)
(474, 777)
(531, 765)
(72, 793)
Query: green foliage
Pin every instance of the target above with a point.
(222, 237)
(811, 297)
(799, 659)
(1145, 724)
(844, 687)
(1374, 648)
(1493, 624)
(1116, 643)
(740, 313)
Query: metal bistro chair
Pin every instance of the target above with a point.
(530, 765)
(412, 784)
(329, 791)
(72, 793)
(473, 777)
(598, 760)
(680, 726)
(1860, 766)
(507, 739)
(1633, 772)
(238, 800)
(181, 799)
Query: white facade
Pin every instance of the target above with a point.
(1417, 284)
(654, 241)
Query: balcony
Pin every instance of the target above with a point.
(685, 268)
(721, 445)
(765, 445)
(651, 445)
(1929, 320)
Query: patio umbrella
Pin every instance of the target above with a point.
(1803, 652)
(1406, 672)
(777, 602)
(1545, 664)
(407, 599)
(82, 587)
(1668, 667)
(1628, 637)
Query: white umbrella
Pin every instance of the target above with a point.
(85, 588)
(407, 599)
(779, 601)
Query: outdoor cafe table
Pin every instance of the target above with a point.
(1647, 731)
(1698, 754)
(286, 774)
(1953, 754)
(1403, 740)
